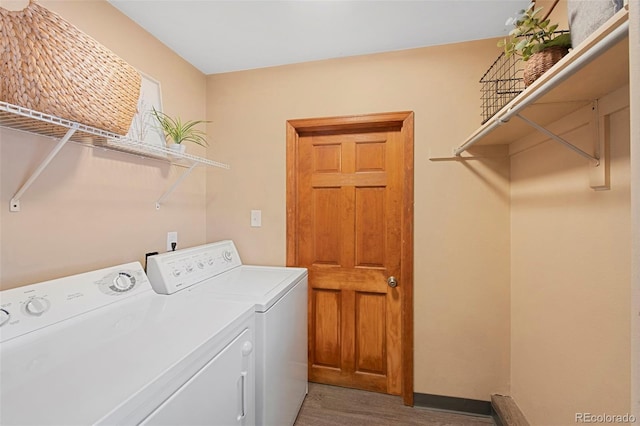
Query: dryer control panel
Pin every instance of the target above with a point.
(32, 307)
(177, 270)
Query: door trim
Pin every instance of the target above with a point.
(405, 121)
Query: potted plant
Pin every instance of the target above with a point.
(177, 132)
(536, 40)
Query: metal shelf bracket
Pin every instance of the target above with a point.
(175, 185)
(559, 139)
(14, 206)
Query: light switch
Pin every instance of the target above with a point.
(256, 218)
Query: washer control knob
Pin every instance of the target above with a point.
(36, 306)
(123, 282)
(4, 317)
(227, 255)
(118, 282)
(200, 265)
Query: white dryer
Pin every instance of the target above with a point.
(103, 348)
(279, 295)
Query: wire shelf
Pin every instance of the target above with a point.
(24, 119)
(500, 84)
(27, 120)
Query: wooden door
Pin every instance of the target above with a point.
(353, 191)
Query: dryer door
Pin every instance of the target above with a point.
(221, 393)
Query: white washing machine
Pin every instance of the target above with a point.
(103, 348)
(279, 295)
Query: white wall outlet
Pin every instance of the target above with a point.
(172, 237)
(256, 218)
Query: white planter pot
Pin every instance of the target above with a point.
(178, 148)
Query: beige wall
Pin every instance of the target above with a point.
(91, 208)
(571, 344)
(634, 57)
(461, 209)
(570, 274)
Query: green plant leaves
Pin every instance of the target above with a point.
(531, 34)
(521, 44)
(177, 132)
(562, 40)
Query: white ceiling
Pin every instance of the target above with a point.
(219, 36)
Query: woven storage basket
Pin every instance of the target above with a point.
(50, 66)
(540, 62)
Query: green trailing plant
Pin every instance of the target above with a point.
(532, 34)
(177, 131)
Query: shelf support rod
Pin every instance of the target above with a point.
(175, 185)
(559, 139)
(15, 201)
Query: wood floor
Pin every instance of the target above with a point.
(331, 405)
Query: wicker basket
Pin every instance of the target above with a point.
(540, 62)
(50, 66)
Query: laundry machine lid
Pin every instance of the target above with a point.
(261, 285)
(112, 365)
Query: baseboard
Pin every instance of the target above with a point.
(496, 417)
(507, 412)
(451, 403)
